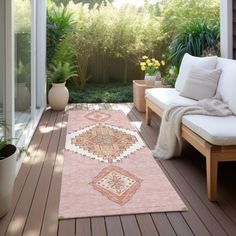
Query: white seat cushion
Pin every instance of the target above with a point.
(215, 130)
(164, 97)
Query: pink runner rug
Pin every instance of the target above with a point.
(108, 170)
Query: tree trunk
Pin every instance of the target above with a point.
(83, 78)
(83, 66)
(105, 61)
(125, 77)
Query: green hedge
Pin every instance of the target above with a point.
(97, 93)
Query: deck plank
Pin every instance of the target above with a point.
(83, 227)
(50, 222)
(113, 225)
(180, 226)
(146, 225)
(66, 228)
(163, 225)
(98, 226)
(130, 225)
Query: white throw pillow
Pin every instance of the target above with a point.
(232, 101)
(189, 61)
(201, 83)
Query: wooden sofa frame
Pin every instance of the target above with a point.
(212, 153)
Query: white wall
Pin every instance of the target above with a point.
(226, 28)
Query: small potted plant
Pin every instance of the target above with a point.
(58, 74)
(8, 154)
(151, 69)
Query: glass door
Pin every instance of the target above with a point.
(23, 75)
(22, 69)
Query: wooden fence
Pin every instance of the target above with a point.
(103, 69)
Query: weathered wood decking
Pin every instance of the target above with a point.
(35, 203)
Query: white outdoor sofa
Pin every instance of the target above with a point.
(214, 137)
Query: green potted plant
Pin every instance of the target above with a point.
(8, 154)
(58, 74)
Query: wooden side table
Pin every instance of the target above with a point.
(139, 87)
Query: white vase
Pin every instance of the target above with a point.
(150, 79)
(158, 76)
(7, 177)
(58, 96)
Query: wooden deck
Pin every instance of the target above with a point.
(35, 203)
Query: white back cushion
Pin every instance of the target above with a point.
(227, 81)
(232, 98)
(189, 61)
(232, 102)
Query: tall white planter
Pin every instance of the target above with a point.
(58, 96)
(7, 177)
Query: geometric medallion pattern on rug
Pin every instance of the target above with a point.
(98, 116)
(116, 184)
(103, 142)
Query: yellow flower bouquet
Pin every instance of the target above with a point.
(151, 69)
(151, 66)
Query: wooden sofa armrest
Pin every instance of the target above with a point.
(212, 153)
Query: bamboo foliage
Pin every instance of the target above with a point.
(177, 13)
(123, 35)
(128, 35)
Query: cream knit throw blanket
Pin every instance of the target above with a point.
(169, 143)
